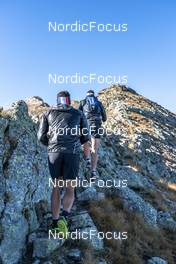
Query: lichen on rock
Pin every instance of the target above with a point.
(142, 151)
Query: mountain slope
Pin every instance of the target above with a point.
(139, 149)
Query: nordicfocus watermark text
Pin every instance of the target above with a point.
(110, 183)
(90, 26)
(88, 235)
(76, 131)
(90, 78)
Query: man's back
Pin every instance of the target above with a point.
(93, 109)
(60, 129)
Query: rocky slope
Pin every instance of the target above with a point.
(138, 148)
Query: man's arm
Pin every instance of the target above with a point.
(43, 130)
(103, 112)
(84, 129)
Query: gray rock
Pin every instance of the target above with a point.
(134, 178)
(43, 247)
(166, 221)
(32, 237)
(3, 127)
(157, 260)
(142, 151)
(25, 170)
(90, 194)
(86, 229)
(92, 235)
(62, 260)
(102, 261)
(14, 236)
(134, 202)
(36, 261)
(74, 254)
(81, 220)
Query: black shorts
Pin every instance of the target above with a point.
(63, 165)
(95, 129)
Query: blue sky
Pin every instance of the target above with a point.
(145, 53)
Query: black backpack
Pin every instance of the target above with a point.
(92, 105)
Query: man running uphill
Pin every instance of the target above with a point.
(95, 114)
(55, 131)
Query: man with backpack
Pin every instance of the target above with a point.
(55, 131)
(95, 114)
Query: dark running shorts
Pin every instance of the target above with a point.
(63, 165)
(95, 128)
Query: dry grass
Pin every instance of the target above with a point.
(154, 197)
(145, 124)
(88, 257)
(5, 114)
(172, 186)
(143, 242)
(37, 110)
(168, 188)
(133, 165)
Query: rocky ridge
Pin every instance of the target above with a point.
(140, 149)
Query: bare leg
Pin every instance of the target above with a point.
(95, 145)
(87, 150)
(69, 197)
(55, 202)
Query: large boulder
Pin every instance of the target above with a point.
(26, 181)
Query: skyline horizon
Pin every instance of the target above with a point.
(144, 51)
(6, 107)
